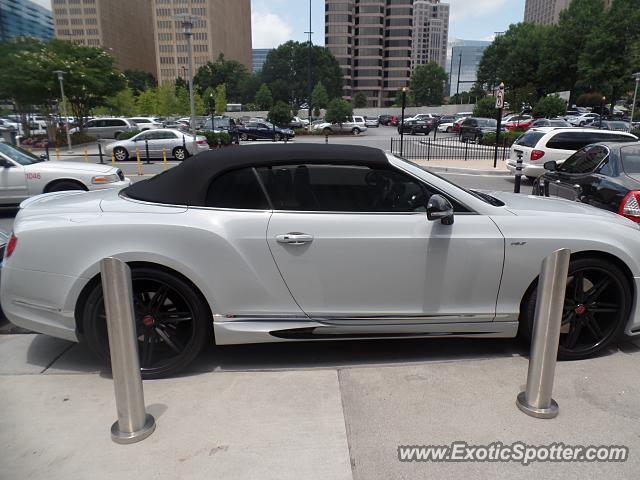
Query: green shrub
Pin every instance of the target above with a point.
(76, 138)
(506, 137)
(215, 139)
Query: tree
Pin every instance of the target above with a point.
(167, 101)
(230, 73)
(409, 100)
(360, 100)
(427, 84)
(338, 111)
(280, 113)
(147, 102)
(122, 103)
(181, 83)
(221, 99)
(288, 66)
(485, 107)
(250, 86)
(264, 99)
(550, 107)
(139, 80)
(319, 98)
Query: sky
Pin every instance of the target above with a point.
(276, 21)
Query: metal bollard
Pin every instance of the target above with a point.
(85, 155)
(46, 152)
(146, 146)
(164, 159)
(546, 187)
(138, 161)
(326, 138)
(113, 159)
(133, 424)
(516, 187)
(100, 153)
(536, 400)
(57, 153)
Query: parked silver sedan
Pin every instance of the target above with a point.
(176, 144)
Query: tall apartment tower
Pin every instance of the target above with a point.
(145, 35)
(547, 12)
(373, 40)
(124, 27)
(430, 32)
(223, 26)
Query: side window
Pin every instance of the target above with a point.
(91, 124)
(570, 141)
(237, 189)
(343, 188)
(584, 161)
(143, 136)
(613, 137)
(119, 123)
(164, 135)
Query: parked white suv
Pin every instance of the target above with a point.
(584, 119)
(539, 145)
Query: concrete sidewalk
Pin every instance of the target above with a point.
(470, 167)
(335, 410)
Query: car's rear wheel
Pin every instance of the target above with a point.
(173, 322)
(449, 129)
(327, 131)
(277, 137)
(596, 308)
(179, 153)
(244, 137)
(117, 135)
(120, 154)
(356, 131)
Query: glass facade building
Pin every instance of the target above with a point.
(23, 18)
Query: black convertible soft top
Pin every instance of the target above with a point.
(187, 184)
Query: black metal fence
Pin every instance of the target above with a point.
(445, 148)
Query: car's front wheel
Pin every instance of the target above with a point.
(180, 153)
(356, 131)
(597, 302)
(120, 154)
(449, 129)
(173, 322)
(244, 137)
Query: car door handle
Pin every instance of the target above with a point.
(294, 238)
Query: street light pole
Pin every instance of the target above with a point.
(635, 97)
(404, 105)
(309, 88)
(604, 99)
(187, 29)
(60, 74)
(459, 68)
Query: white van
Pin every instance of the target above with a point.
(539, 145)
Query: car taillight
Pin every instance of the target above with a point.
(537, 154)
(11, 245)
(629, 207)
(201, 142)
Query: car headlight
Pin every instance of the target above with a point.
(102, 179)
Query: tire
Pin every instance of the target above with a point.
(277, 137)
(117, 135)
(120, 154)
(65, 185)
(158, 357)
(327, 131)
(594, 328)
(531, 179)
(477, 139)
(356, 131)
(179, 153)
(244, 137)
(412, 132)
(449, 129)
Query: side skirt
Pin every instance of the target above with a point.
(266, 330)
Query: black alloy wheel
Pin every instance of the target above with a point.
(173, 323)
(596, 308)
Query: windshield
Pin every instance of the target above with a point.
(479, 195)
(630, 159)
(18, 155)
(529, 139)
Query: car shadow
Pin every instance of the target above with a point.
(312, 355)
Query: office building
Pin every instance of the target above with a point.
(373, 40)
(145, 34)
(223, 26)
(547, 12)
(259, 57)
(123, 27)
(463, 65)
(23, 18)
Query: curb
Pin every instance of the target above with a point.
(467, 171)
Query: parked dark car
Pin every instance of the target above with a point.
(605, 175)
(263, 131)
(616, 125)
(474, 128)
(413, 127)
(388, 120)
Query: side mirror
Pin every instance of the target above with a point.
(439, 208)
(551, 165)
(43, 157)
(5, 163)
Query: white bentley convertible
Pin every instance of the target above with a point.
(23, 175)
(283, 243)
